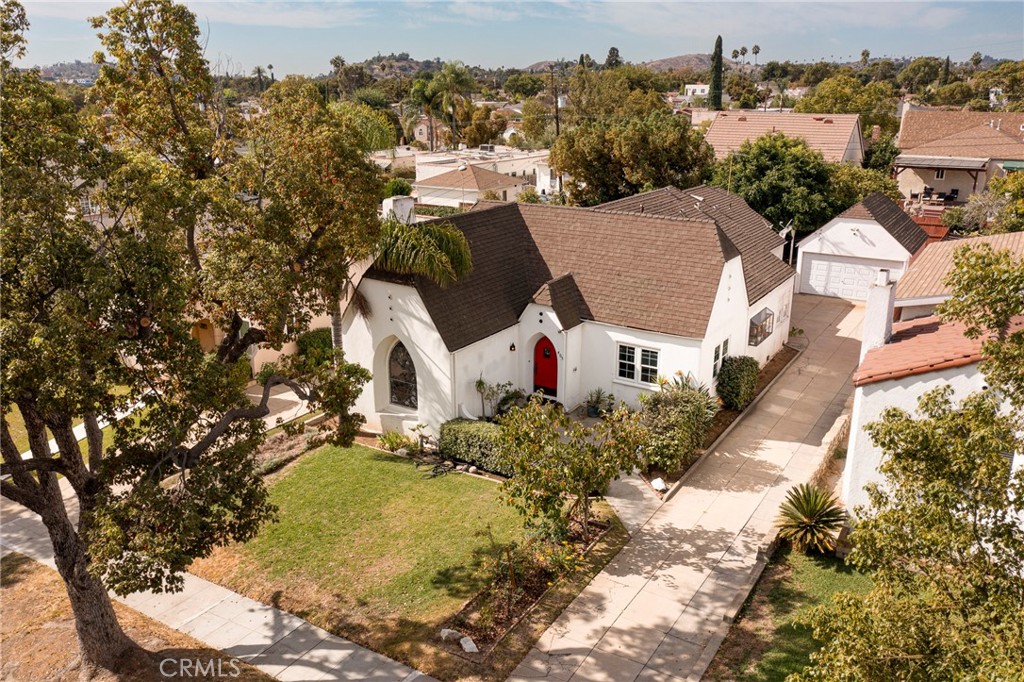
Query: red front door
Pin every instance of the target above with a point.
(545, 367)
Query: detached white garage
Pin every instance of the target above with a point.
(842, 258)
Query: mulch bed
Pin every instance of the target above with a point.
(724, 417)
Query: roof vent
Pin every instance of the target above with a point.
(641, 208)
(742, 118)
(828, 120)
(819, 118)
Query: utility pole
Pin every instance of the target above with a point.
(554, 92)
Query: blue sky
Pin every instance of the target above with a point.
(301, 37)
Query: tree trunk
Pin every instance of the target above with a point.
(100, 637)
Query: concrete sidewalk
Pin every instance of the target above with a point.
(276, 642)
(660, 609)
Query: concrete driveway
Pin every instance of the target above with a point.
(658, 610)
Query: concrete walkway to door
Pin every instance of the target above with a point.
(658, 610)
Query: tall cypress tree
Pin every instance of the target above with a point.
(944, 78)
(715, 94)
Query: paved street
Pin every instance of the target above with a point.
(657, 612)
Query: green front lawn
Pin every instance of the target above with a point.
(768, 643)
(368, 547)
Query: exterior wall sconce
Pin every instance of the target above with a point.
(512, 347)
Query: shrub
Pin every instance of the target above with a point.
(810, 518)
(474, 442)
(677, 419)
(397, 187)
(737, 381)
(393, 441)
(265, 372)
(315, 341)
(437, 211)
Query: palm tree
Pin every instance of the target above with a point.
(422, 99)
(259, 73)
(735, 55)
(865, 55)
(743, 53)
(270, 68)
(755, 50)
(810, 518)
(450, 85)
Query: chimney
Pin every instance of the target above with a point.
(876, 133)
(401, 208)
(878, 313)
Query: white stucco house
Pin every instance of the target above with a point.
(923, 287)
(900, 362)
(465, 186)
(565, 300)
(842, 258)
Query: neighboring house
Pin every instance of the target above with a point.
(466, 186)
(900, 363)
(923, 286)
(565, 300)
(843, 257)
(424, 126)
(494, 157)
(957, 152)
(400, 157)
(836, 136)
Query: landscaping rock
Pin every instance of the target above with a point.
(659, 485)
(402, 452)
(473, 470)
(463, 467)
(447, 634)
(468, 645)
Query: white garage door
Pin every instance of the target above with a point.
(842, 277)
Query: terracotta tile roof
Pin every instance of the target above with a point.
(744, 227)
(924, 278)
(470, 177)
(884, 211)
(921, 127)
(828, 133)
(920, 346)
(640, 271)
(979, 142)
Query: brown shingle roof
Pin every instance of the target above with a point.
(644, 272)
(470, 177)
(881, 209)
(979, 142)
(921, 127)
(744, 227)
(924, 278)
(920, 346)
(828, 133)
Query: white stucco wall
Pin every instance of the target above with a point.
(854, 153)
(915, 179)
(444, 196)
(398, 314)
(863, 458)
(780, 301)
(857, 238)
(490, 359)
(728, 321)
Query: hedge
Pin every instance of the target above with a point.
(315, 342)
(677, 419)
(737, 381)
(474, 442)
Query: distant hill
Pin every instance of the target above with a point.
(70, 70)
(697, 62)
(536, 67)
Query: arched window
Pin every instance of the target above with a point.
(402, 374)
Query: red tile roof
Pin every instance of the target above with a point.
(919, 128)
(920, 346)
(925, 278)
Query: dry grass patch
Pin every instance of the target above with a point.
(39, 643)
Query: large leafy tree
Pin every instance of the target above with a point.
(844, 94)
(448, 87)
(782, 179)
(943, 535)
(99, 313)
(614, 158)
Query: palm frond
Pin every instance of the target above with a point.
(435, 250)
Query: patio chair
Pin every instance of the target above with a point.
(953, 195)
(914, 196)
(941, 196)
(927, 194)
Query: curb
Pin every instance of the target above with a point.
(736, 422)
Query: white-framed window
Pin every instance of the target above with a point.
(940, 174)
(761, 327)
(721, 350)
(87, 205)
(638, 364)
